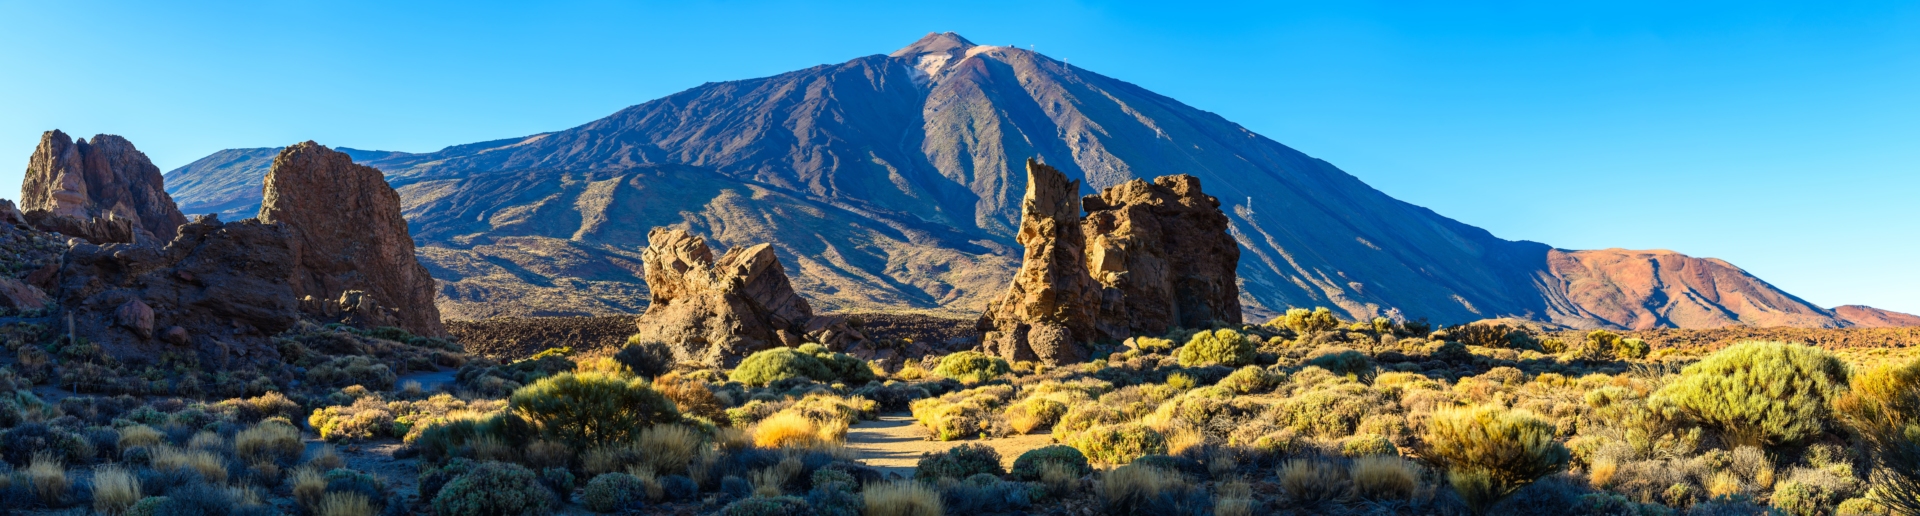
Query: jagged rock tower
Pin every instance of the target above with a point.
(1048, 313)
(1162, 254)
(717, 312)
(353, 257)
(104, 191)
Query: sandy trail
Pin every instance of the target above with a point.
(893, 444)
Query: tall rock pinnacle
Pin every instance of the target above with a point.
(1048, 312)
(353, 256)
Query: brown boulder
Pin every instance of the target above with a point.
(347, 234)
(1048, 312)
(1163, 255)
(104, 191)
(218, 287)
(717, 312)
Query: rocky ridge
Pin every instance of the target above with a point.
(102, 190)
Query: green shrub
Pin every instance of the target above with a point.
(1631, 349)
(1884, 408)
(1027, 467)
(959, 462)
(841, 367)
(767, 506)
(1761, 393)
(1182, 381)
(590, 409)
(1219, 347)
(1304, 321)
(971, 367)
(352, 370)
(1367, 445)
(494, 489)
(1490, 452)
(777, 364)
(1250, 380)
(1344, 362)
(611, 492)
(645, 357)
(1121, 443)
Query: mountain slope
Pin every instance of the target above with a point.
(229, 182)
(893, 181)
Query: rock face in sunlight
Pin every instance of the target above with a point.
(218, 290)
(1048, 312)
(718, 311)
(353, 258)
(1164, 256)
(102, 190)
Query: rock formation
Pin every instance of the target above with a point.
(1048, 312)
(104, 191)
(719, 311)
(352, 256)
(218, 290)
(1163, 255)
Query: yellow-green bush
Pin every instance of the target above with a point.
(588, 409)
(1884, 408)
(965, 414)
(1119, 444)
(1218, 347)
(971, 367)
(1250, 380)
(777, 364)
(1490, 452)
(1765, 393)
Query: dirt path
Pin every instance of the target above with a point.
(893, 444)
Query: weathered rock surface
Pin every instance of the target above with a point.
(1163, 255)
(104, 191)
(718, 311)
(347, 235)
(1048, 312)
(218, 290)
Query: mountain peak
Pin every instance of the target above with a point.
(941, 42)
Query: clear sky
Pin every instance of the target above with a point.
(1783, 137)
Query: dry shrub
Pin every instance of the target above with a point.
(669, 448)
(1127, 488)
(492, 448)
(608, 459)
(1234, 499)
(1183, 439)
(308, 485)
(208, 464)
(326, 459)
(691, 396)
(1034, 413)
(1384, 477)
(768, 482)
(1307, 482)
(344, 504)
(48, 476)
(1601, 473)
(542, 454)
(138, 435)
(1490, 451)
(114, 490)
(206, 441)
(901, 498)
(649, 482)
(272, 441)
(785, 430)
(1060, 478)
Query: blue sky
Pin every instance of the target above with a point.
(1783, 137)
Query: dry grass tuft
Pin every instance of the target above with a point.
(308, 486)
(1126, 487)
(1384, 477)
(326, 459)
(489, 447)
(1059, 477)
(48, 477)
(207, 441)
(668, 448)
(902, 498)
(139, 435)
(272, 441)
(1234, 499)
(786, 430)
(344, 504)
(208, 464)
(1310, 482)
(114, 490)
(542, 454)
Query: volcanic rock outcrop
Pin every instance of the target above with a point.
(1163, 255)
(1048, 312)
(353, 259)
(218, 290)
(719, 311)
(104, 191)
